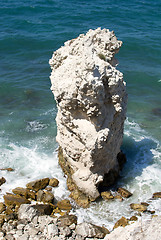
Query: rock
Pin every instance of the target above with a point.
(107, 195)
(121, 223)
(133, 218)
(45, 196)
(90, 230)
(7, 169)
(2, 180)
(118, 197)
(81, 199)
(53, 182)
(67, 220)
(24, 192)
(124, 193)
(145, 204)
(51, 231)
(2, 207)
(14, 200)
(91, 99)
(138, 207)
(38, 184)
(65, 231)
(43, 209)
(64, 204)
(156, 195)
(27, 212)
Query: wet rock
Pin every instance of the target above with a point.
(121, 223)
(67, 220)
(2, 180)
(81, 199)
(64, 204)
(43, 209)
(7, 169)
(124, 193)
(145, 204)
(138, 207)
(53, 182)
(118, 197)
(90, 230)
(133, 218)
(107, 195)
(156, 195)
(38, 184)
(14, 200)
(24, 192)
(45, 196)
(2, 207)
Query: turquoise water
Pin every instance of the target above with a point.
(30, 32)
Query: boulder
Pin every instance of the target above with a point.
(138, 207)
(156, 195)
(133, 218)
(45, 196)
(7, 169)
(38, 184)
(14, 200)
(2, 207)
(53, 182)
(2, 180)
(124, 193)
(64, 204)
(66, 220)
(24, 192)
(90, 230)
(91, 99)
(122, 222)
(107, 195)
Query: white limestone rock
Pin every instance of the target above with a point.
(91, 99)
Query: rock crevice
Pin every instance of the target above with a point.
(91, 98)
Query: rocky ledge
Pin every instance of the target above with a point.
(91, 98)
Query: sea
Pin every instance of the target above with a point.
(29, 33)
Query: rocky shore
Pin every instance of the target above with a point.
(34, 213)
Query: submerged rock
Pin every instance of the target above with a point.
(124, 192)
(138, 207)
(91, 99)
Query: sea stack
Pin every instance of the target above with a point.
(91, 99)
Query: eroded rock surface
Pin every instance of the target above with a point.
(91, 100)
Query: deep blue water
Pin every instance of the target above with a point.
(29, 33)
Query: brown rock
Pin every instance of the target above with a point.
(14, 200)
(48, 197)
(157, 195)
(7, 169)
(124, 193)
(53, 182)
(133, 218)
(121, 223)
(145, 204)
(48, 189)
(43, 209)
(67, 220)
(2, 180)
(64, 205)
(138, 207)
(24, 192)
(2, 219)
(38, 184)
(45, 196)
(118, 197)
(2, 207)
(107, 195)
(81, 199)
